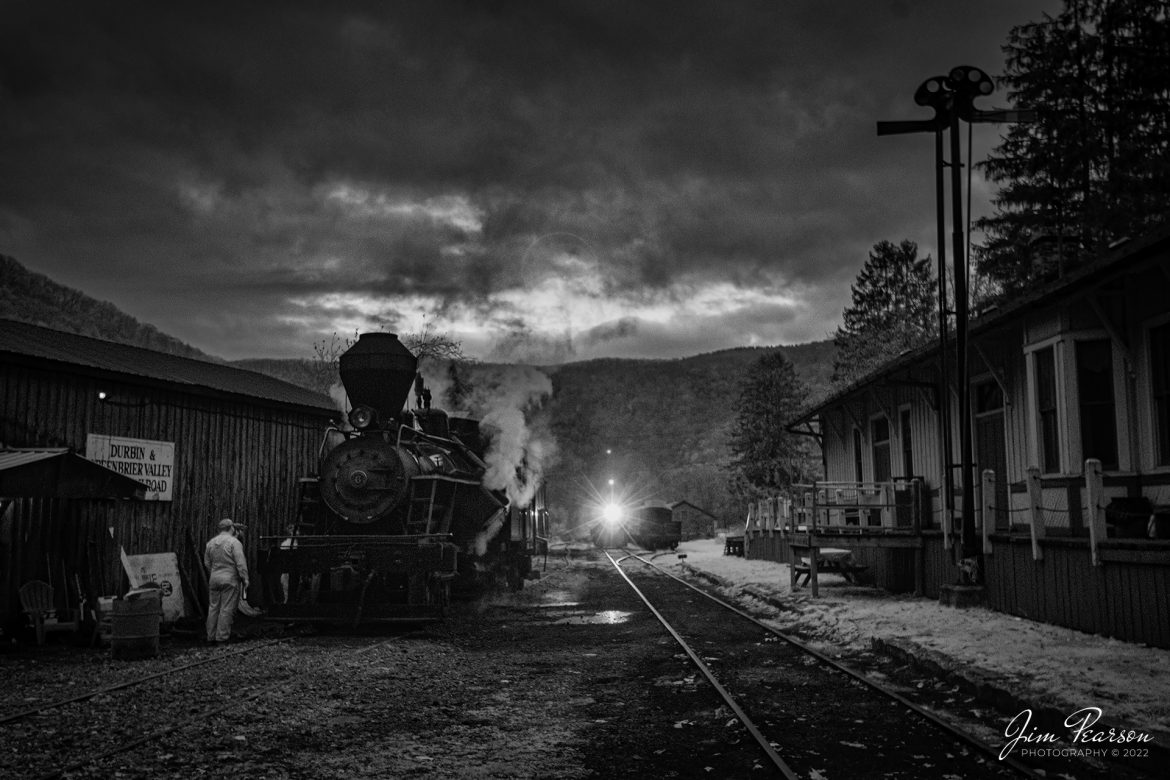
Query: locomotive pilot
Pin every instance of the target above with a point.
(227, 581)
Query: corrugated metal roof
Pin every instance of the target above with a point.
(10, 459)
(58, 472)
(19, 338)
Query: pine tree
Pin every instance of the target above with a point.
(894, 309)
(1095, 166)
(765, 455)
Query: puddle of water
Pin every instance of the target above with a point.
(607, 617)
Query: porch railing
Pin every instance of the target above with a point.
(842, 507)
(1106, 511)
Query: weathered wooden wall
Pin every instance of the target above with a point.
(1122, 598)
(937, 567)
(234, 457)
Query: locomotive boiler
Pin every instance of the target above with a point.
(397, 518)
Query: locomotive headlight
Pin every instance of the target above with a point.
(611, 513)
(361, 417)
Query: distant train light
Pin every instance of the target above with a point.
(611, 514)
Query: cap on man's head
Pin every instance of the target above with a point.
(226, 524)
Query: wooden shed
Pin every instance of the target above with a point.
(697, 523)
(200, 440)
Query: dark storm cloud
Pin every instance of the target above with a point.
(246, 155)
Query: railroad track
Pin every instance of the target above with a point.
(810, 715)
(77, 734)
(131, 683)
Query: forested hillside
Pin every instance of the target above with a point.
(36, 299)
(664, 422)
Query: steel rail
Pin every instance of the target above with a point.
(189, 720)
(773, 756)
(137, 681)
(955, 731)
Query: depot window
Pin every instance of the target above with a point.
(857, 455)
(1047, 413)
(880, 442)
(907, 444)
(1098, 410)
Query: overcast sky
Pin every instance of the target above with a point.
(545, 181)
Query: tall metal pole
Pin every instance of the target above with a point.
(966, 83)
(944, 389)
(959, 261)
(952, 98)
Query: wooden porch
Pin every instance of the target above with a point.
(880, 523)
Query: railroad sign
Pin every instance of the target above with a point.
(150, 462)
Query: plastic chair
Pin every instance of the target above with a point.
(36, 599)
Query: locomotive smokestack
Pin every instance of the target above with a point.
(378, 371)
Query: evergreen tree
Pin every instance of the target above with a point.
(894, 309)
(1095, 166)
(766, 456)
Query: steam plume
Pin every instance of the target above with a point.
(508, 401)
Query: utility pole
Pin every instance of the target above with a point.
(952, 98)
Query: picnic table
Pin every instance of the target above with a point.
(829, 559)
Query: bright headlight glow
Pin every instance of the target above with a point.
(611, 513)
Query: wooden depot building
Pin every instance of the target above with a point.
(1070, 408)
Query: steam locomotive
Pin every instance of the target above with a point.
(649, 527)
(398, 518)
